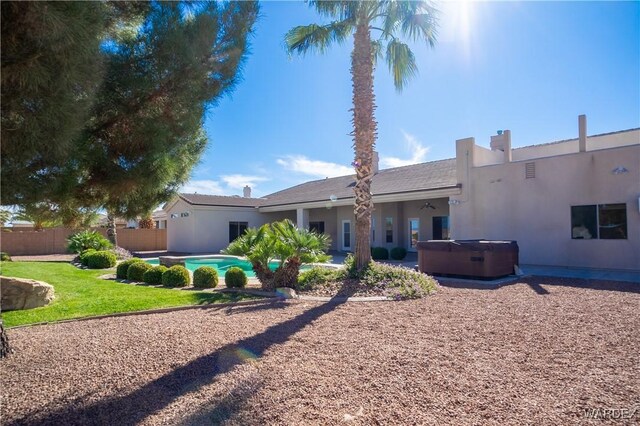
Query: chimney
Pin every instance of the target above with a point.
(582, 133)
(375, 160)
(502, 142)
(246, 192)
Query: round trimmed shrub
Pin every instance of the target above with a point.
(4, 257)
(84, 257)
(379, 253)
(154, 275)
(398, 253)
(235, 278)
(123, 268)
(205, 277)
(176, 276)
(101, 260)
(136, 271)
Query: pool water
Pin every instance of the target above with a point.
(220, 263)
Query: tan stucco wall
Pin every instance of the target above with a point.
(329, 217)
(497, 202)
(206, 230)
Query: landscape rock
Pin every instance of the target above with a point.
(286, 293)
(22, 293)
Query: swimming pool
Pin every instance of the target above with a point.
(221, 263)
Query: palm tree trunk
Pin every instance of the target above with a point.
(112, 234)
(5, 349)
(365, 127)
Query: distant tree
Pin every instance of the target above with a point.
(415, 20)
(42, 215)
(146, 223)
(5, 216)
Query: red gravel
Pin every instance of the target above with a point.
(537, 352)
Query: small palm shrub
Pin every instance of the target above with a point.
(101, 260)
(84, 256)
(235, 278)
(4, 257)
(154, 275)
(379, 253)
(176, 276)
(398, 253)
(136, 271)
(77, 243)
(123, 268)
(205, 277)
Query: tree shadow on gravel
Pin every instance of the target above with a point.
(134, 407)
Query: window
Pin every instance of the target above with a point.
(388, 226)
(346, 235)
(236, 229)
(317, 227)
(603, 221)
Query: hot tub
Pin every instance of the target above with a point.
(468, 258)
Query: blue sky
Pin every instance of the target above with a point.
(531, 67)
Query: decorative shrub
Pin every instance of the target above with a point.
(398, 253)
(4, 257)
(235, 278)
(318, 275)
(123, 267)
(154, 275)
(78, 243)
(84, 256)
(379, 253)
(396, 282)
(101, 260)
(176, 276)
(136, 271)
(122, 254)
(205, 277)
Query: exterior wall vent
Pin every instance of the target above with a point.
(530, 170)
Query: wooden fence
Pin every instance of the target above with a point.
(54, 240)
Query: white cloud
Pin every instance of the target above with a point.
(204, 186)
(239, 181)
(321, 169)
(414, 146)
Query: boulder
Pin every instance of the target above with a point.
(22, 293)
(286, 293)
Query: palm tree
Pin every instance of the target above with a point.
(415, 20)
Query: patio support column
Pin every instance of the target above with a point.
(302, 218)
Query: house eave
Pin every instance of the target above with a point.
(418, 194)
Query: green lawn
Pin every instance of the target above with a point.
(80, 293)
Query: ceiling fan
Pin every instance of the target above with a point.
(428, 205)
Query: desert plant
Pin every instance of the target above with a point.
(81, 241)
(379, 253)
(136, 271)
(176, 276)
(318, 276)
(154, 275)
(101, 260)
(235, 278)
(398, 253)
(123, 267)
(122, 254)
(205, 277)
(398, 282)
(4, 257)
(280, 241)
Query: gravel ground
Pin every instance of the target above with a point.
(537, 352)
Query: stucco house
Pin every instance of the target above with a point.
(568, 203)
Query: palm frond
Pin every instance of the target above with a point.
(302, 39)
(402, 63)
(376, 51)
(341, 10)
(421, 24)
